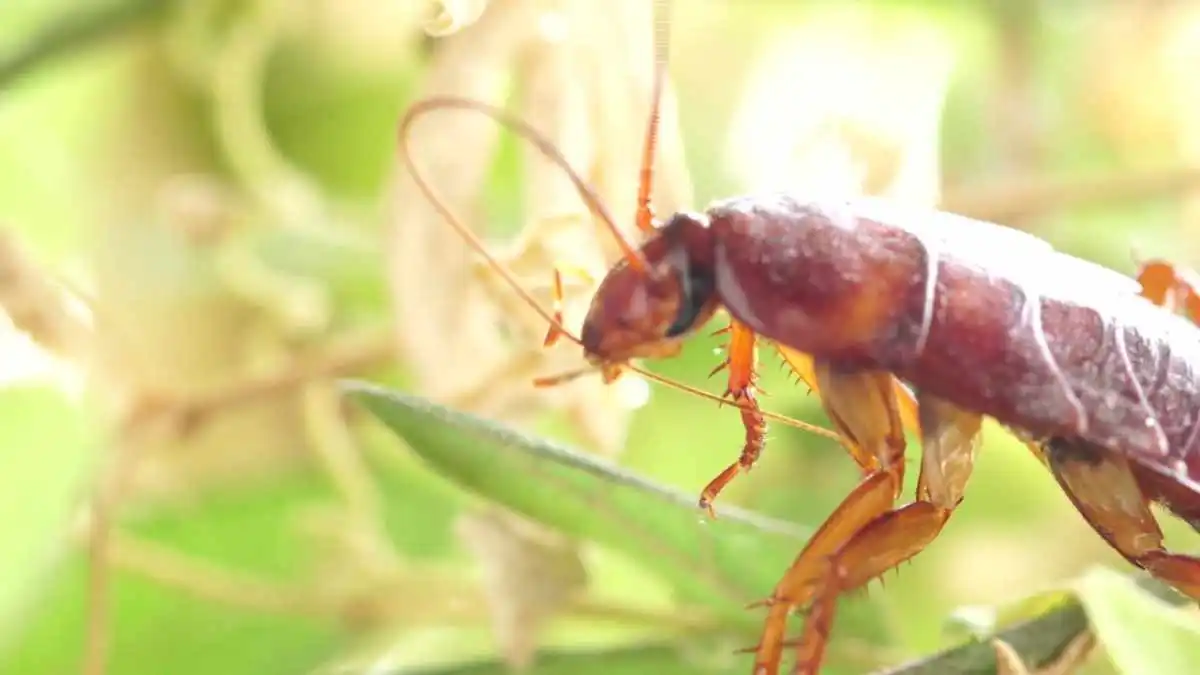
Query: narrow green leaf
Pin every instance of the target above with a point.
(724, 563)
(979, 621)
(652, 660)
(156, 628)
(45, 461)
(1142, 634)
(1038, 640)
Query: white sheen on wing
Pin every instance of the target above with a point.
(1007, 251)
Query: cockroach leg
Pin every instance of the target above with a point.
(741, 360)
(1157, 278)
(554, 332)
(1170, 286)
(1102, 486)
(866, 536)
(863, 408)
(948, 450)
(802, 367)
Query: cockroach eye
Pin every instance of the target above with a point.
(695, 293)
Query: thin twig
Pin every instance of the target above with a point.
(75, 32)
(96, 636)
(1016, 199)
(344, 356)
(214, 583)
(105, 502)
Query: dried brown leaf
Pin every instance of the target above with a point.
(456, 314)
(528, 575)
(469, 339)
(446, 324)
(36, 304)
(593, 100)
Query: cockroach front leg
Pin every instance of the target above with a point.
(1104, 490)
(555, 331)
(740, 361)
(867, 536)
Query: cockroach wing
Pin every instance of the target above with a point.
(1012, 253)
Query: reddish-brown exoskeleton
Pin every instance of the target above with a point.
(1082, 363)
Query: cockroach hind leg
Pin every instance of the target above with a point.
(1171, 287)
(720, 366)
(1158, 280)
(759, 604)
(872, 497)
(1101, 485)
(882, 545)
(867, 536)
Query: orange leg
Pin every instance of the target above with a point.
(1099, 482)
(866, 535)
(1104, 490)
(553, 332)
(1172, 287)
(803, 368)
(740, 362)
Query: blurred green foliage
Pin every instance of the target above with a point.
(265, 571)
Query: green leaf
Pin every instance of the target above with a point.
(253, 530)
(45, 461)
(654, 659)
(1142, 634)
(723, 564)
(1039, 640)
(641, 661)
(156, 628)
(979, 621)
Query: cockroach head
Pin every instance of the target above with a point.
(645, 311)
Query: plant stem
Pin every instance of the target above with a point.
(1039, 642)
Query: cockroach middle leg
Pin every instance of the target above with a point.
(1103, 488)
(804, 369)
(741, 359)
(866, 535)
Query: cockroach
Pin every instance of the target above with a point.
(1098, 373)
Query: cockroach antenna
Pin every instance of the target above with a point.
(662, 34)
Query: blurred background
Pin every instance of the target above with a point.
(205, 225)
